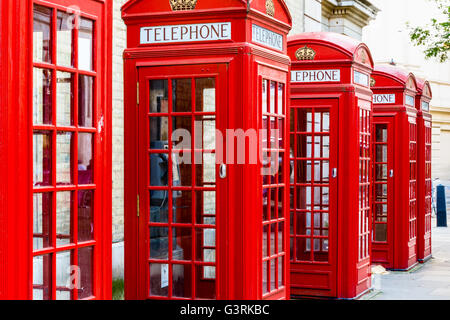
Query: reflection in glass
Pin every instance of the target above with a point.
(204, 282)
(159, 96)
(64, 98)
(42, 210)
(181, 280)
(42, 274)
(205, 207)
(272, 96)
(381, 133)
(381, 153)
(42, 96)
(85, 44)
(85, 215)
(182, 92)
(205, 95)
(42, 18)
(159, 133)
(42, 158)
(64, 27)
(182, 246)
(63, 215)
(63, 275)
(159, 279)
(86, 264)
(280, 107)
(159, 243)
(182, 206)
(85, 101)
(381, 232)
(63, 158)
(85, 158)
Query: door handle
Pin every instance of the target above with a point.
(391, 173)
(334, 173)
(223, 171)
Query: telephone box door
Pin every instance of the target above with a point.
(383, 219)
(182, 197)
(314, 196)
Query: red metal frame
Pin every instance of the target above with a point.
(424, 182)
(17, 23)
(343, 171)
(395, 92)
(239, 67)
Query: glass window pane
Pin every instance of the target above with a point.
(42, 211)
(182, 169)
(64, 158)
(64, 98)
(85, 158)
(159, 96)
(42, 159)
(159, 279)
(63, 217)
(64, 37)
(381, 133)
(63, 276)
(85, 215)
(280, 107)
(42, 96)
(85, 101)
(381, 232)
(86, 265)
(206, 170)
(85, 45)
(272, 96)
(159, 243)
(42, 274)
(205, 133)
(182, 95)
(205, 95)
(205, 239)
(205, 203)
(42, 18)
(304, 119)
(182, 245)
(159, 132)
(204, 282)
(182, 280)
(159, 177)
(182, 206)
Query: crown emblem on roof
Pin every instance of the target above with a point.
(372, 82)
(178, 5)
(305, 53)
(270, 8)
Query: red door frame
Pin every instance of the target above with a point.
(383, 252)
(17, 23)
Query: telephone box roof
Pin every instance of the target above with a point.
(400, 76)
(424, 88)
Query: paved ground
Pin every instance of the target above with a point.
(429, 281)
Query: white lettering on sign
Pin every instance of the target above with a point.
(361, 78)
(383, 98)
(266, 37)
(425, 106)
(316, 76)
(186, 33)
(409, 100)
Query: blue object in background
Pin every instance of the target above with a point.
(441, 207)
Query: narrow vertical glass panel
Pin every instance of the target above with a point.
(380, 232)
(265, 277)
(204, 239)
(42, 96)
(381, 172)
(159, 177)
(205, 207)
(205, 95)
(381, 133)
(273, 88)
(273, 233)
(280, 108)
(42, 275)
(159, 211)
(304, 119)
(63, 217)
(159, 96)
(182, 169)
(42, 211)
(159, 279)
(182, 132)
(303, 223)
(280, 237)
(64, 158)
(273, 279)
(265, 241)
(85, 158)
(85, 215)
(64, 36)
(182, 280)
(182, 206)
(265, 204)
(159, 133)
(85, 101)
(182, 95)
(304, 198)
(86, 265)
(206, 171)
(42, 159)
(264, 96)
(63, 276)
(182, 245)
(381, 153)
(280, 271)
(159, 243)
(42, 18)
(64, 98)
(86, 44)
(205, 284)
(326, 122)
(205, 133)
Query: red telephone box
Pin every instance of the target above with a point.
(394, 240)
(424, 184)
(202, 221)
(331, 107)
(55, 149)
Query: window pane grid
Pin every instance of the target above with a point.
(56, 152)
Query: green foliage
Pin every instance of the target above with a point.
(118, 287)
(435, 37)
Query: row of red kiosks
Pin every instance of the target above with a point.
(291, 215)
